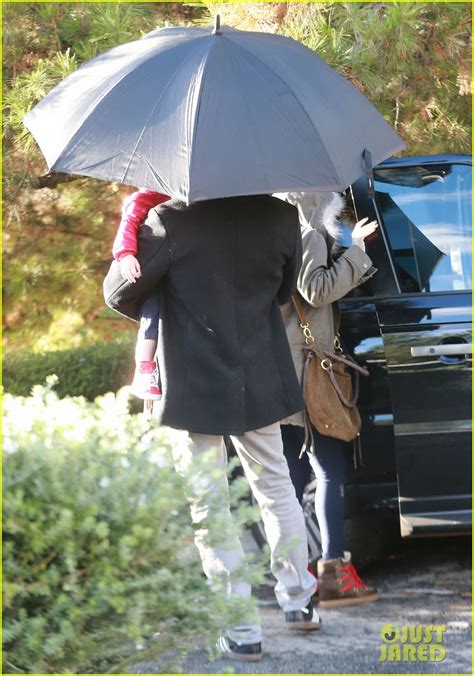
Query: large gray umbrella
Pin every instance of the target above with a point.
(198, 113)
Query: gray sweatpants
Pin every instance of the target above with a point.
(261, 455)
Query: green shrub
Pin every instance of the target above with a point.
(98, 554)
(87, 371)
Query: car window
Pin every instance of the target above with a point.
(426, 213)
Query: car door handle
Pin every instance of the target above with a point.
(441, 350)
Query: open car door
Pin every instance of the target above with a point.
(424, 210)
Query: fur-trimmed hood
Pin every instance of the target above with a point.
(318, 210)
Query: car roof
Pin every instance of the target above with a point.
(425, 159)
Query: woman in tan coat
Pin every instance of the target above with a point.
(326, 276)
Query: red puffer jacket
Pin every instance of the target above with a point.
(134, 211)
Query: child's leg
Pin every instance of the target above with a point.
(146, 380)
(147, 340)
(145, 349)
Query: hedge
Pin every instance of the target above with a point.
(99, 561)
(87, 371)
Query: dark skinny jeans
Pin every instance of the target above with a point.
(329, 464)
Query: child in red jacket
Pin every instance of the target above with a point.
(134, 211)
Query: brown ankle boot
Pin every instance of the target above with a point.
(340, 585)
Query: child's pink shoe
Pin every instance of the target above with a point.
(145, 383)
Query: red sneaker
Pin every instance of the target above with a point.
(145, 383)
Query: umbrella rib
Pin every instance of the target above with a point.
(198, 108)
(255, 138)
(167, 188)
(162, 93)
(288, 87)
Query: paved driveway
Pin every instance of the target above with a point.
(423, 582)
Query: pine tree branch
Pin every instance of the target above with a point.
(52, 179)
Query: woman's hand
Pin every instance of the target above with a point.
(130, 268)
(362, 230)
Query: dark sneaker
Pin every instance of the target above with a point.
(304, 618)
(340, 584)
(251, 652)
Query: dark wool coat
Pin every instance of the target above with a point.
(222, 267)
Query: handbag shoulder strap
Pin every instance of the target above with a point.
(303, 321)
(298, 306)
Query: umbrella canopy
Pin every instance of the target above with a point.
(198, 113)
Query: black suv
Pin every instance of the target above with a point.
(410, 325)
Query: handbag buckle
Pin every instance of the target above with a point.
(326, 364)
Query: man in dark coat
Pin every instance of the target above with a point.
(223, 267)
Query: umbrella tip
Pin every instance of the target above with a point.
(217, 25)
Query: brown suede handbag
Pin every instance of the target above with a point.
(330, 385)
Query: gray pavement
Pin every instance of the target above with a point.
(423, 582)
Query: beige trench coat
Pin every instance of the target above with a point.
(321, 285)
